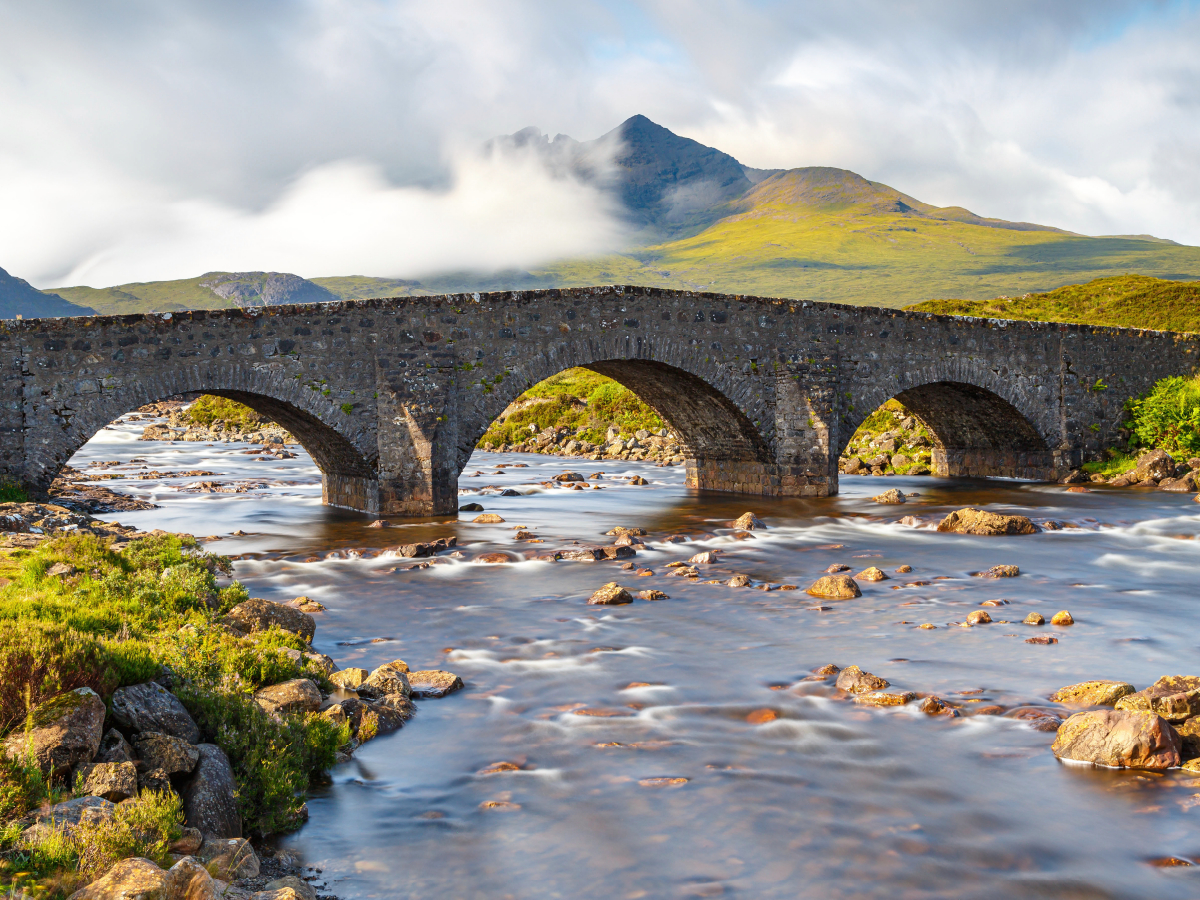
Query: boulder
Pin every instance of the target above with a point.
(257, 614)
(386, 679)
(1118, 739)
(349, 679)
(1156, 464)
(164, 751)
(114, 781)
(301, 888)
(229, 859)
(1102, 692)
(114, 748)
(978, 521)
(189, 880)
(471, 507)
(66, 731)
(835, 587)
(433, 683)
(747, 522)
(130, 879)
(300, 695)
(611, 594)
(391, 712)
(854, 680)
(1174, 697)
(426, 548)
(151, 707)
(210, 796)
(892, 496)
(854, 465)
(1186, 484)
(307, 659)
(156, 780)
(1189, 736)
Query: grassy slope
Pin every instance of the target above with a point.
(140, 297)
(827, 234)
(1132, 301)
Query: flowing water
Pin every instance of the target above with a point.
(682, 786)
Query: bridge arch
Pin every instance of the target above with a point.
(346, 456)
(983, 424)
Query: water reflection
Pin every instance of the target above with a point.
(642, 761)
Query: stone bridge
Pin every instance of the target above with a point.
(390, 396)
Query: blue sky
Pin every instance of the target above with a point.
(159, 139)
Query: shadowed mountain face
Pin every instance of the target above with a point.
(265, 288)
(19, 298)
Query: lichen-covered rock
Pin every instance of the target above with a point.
(1034, 619)
(1001, 572)
(66, 732)
(978, 521)
(611, 594)
(386, 679)
(210, 796)
(257, 614)
(890, 496)
(708, 557)
(229, 859)
(433, 683)
(154, 780)
(189, 880)
(871, 573)
(299, 695)
(130, 879)
(747, 522)
(1118, 739)
(350, 678)
(885, 698)
(854, 680)
(835, 587)
(1155, 465)
(302, 889)
(164, 751)
(114, 748)
(739, 581)
(1174, 697)
(979, 617)
(1102, 692)
(1189, 737)
(115, 781)
(151, 707)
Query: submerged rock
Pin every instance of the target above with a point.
(885, 698)
(1062, 617)
(611, 594)
(1118, 739)
(835, 587)
(487, 519)
(978, 521)
(854, 680)
(652, 595)
(892, 496)
(872, 573)
(433, 683)
(1001, 572)
(747, 522)
(1102, 692)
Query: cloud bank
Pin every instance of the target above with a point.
(143, 140)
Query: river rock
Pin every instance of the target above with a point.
(1189, 736)
(885, 698)
(229, 859)
(827, 670)
(871, 573)
(426, 548)
(386, 679)
(739, 581)
(979, 617)
(1062, 617)
(835, 587)
(299, 695)
(114, 748)
(471, 507)
(1118, 739)
(279, 890)
(610, 594)
(1174, 697)
(115, 781)
(978, 521)
(306, 659)
(708, 557)
(257, 614)
(164, 751)
(130, 879)
(568, 476)
(210, 796)
(433, 683)
(1042, 639)
(747, 522)
(853, 466)
(66, 731)
(151, 707)
(892, 496)
(1001, 572)
(1034, 619)
(934, 706)
(1102, 692)
(1186, 484)
(854, 680)
(652, 595)
(1156, 465)
(487, 519)
(837, 567)
(189, 880)
(349, 679)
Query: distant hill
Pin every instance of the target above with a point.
(19, 298)
(701, 220)
(1129, 301)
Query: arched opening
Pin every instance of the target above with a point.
(949, 428)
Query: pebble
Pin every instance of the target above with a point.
(662, 782)
(994, 603)
(627, 565)
(933, 706)
(929, 626)
(1062, 618)
(494, 558)
(498, 767)
(708, 557)
(1000, 572)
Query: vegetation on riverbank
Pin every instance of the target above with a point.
(77, 613)
(1126, 301)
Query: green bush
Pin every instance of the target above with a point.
(22, 785)
(39, 660)
(11, 492)
(1167, 417)
(237, 416)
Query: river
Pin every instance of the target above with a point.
(684, 787)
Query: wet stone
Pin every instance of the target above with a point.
(1118, 739)
(979, 617)
(835, 587)
(885, 698)
(1174, 697)
(1042, 639)
(827, 669)
(903, 570)
(487, 519)
(1034, 619)
(1102, 692)
(1001, 572)
(891, 496)
(610, 594)
(1062, 618)
(652, 595)
(433, 683)
(978, 521)
(854, 680)
(872, 573)
(837, 567)
(739, 581)
(747, 522)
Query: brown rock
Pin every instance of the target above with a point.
(115, 781)
(1001, 572)
(1156, 465)
(229, 859)
(1186, 484)
(885, 698)
(854, 680)
(835, 587)
(257, 614)
(739, 581)
(978, 521)
(164, 751)
(1174, 697)
(386, 679)
(611, 594)
(568, 476)
(652, 595)
(1042, 639)
(130, 879)
(747, 522)
(708, 557)
(1101, 692)
(349, 679)
(872, 573)
(289, 887)
(1034, 619)
(487, 519)
(837, 567)
(979, 617)
(433, 683)
(618, 530)
(903, 570)
(892, 496)
(188, 843)
(1062, 618)
(298, 695)
(1118, 739)
(1189, 736)
(827, 669)
(494, 558)
(933, 706)
(66, 731)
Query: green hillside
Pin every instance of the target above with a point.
(149, 296)
(1130, 301)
